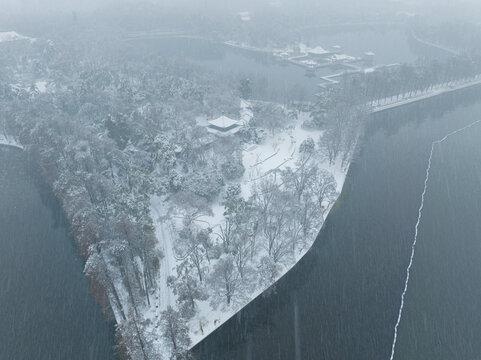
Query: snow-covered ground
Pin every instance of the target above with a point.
(7, 140)
(163, 296)
(165, 234)
(41, 86)
(6, 36)
(278, 151)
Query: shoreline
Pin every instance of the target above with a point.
(431, 94)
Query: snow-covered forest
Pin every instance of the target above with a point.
(120, 145)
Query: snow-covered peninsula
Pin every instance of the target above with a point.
(289, 164)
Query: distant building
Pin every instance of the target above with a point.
(223, 126)
(368, 57)
(318, 53)
(341, 58)
(245, 16)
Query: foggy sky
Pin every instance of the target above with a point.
(449, 9)
(69, 5)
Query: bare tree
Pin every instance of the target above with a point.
(324, 187)
(187, 289)
(175, 332)
(225, 281)
(193, 246)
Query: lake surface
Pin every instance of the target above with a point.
(390, 43)
(274, 80)
(46, 310)
(341, 301)
(442, 317)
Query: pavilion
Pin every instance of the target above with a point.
(223, 126)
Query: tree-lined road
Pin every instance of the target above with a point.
(436, 91)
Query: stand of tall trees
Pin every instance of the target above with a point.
(109, 133)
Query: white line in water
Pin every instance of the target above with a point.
(420, 211)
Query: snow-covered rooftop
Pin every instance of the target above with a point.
(229, 132)
(340, 57)
(405, 13)
(223, 122)
(245, 16)
(318, 50)
(308, 62)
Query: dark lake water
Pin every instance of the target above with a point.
(46, 310)
(341, 301)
